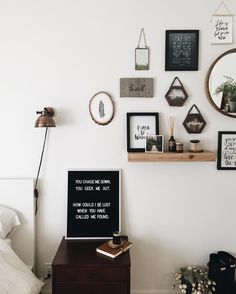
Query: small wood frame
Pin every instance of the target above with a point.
(194, 123)
(136, 87)
(102, 108)
(176, 95)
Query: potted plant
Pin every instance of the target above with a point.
(193, 280)
(228, 88)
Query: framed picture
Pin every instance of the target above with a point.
(194, 122)
(226, 158)
(101, 108)
(176, 95)
(222, 29)
(154, 144)
(181, 50)
(142, 53)
(142, 58)
(139, 126)
(93, 203)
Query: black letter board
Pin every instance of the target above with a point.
(93, 203)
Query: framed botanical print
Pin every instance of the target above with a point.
(226, 158)
(102, 108)
(139, 126)
(181, 50)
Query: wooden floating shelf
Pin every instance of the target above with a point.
(171, 156)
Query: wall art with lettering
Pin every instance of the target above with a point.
(226, 158)
(222, 29)
(136, 87)
(181, 50)
(139, 126)
(194, 122)
(93, 203)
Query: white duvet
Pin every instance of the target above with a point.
(15, 276)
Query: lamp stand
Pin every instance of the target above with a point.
(36, 193)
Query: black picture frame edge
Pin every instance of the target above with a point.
(220, 133)
(128, 116)
(167, 44)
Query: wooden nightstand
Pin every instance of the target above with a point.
(78, 269)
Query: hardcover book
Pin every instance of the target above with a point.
(107, 250)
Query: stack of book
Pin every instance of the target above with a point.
(106, 248)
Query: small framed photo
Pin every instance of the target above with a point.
(226, 158)
(139, 126)
(142, 58)
(181, 50)
(154, 144)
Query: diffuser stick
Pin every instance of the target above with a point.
(172, 143)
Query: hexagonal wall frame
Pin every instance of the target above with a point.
(176, 95)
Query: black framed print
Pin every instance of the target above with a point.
(93, 203)
(226, 158)
(182, 50)
(139, 126)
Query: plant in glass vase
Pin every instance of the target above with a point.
(228, 90)
(193, 280)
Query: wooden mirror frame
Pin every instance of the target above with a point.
(207, 90)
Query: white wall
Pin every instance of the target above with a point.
(59, 53)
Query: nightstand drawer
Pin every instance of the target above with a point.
(94, 288)
(108, 274)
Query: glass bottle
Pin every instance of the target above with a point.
(172, 144)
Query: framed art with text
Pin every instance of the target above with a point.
(139, 126)
(93, 203)
(182, 50)
(226, 158)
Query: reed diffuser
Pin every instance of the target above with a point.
(172, 143)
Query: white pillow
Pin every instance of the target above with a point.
(15, 276)
(8, 221)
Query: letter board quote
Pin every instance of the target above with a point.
(93, 203)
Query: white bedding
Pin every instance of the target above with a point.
(15, 276)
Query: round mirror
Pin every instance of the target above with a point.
(221, 83)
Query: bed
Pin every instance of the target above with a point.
(17, 255)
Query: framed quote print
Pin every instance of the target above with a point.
(139, 126)
(181, 50)
(222, 29)
(226, 158)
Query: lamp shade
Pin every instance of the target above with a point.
(45, 119)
